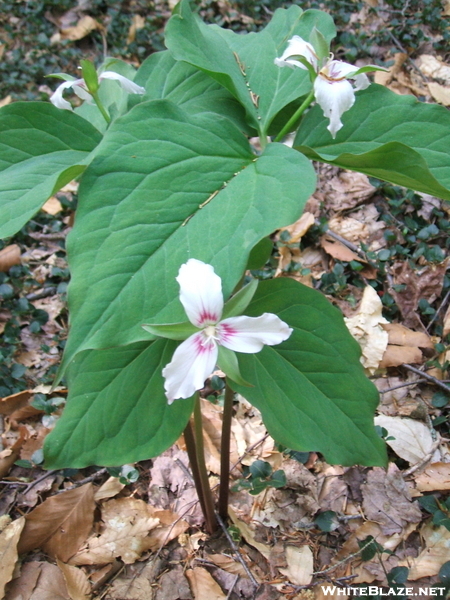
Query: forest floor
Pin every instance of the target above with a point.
(297, 524)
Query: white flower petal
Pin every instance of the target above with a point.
(81, 92)
(128, 85)
(337, 69)
(361, 82)
(297, 46)
(334, 97)
(57, 97)
(193, 361)
(250, 334)
(200, 293)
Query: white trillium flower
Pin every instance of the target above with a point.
(332, 90)
(195, 358)
(80, 89)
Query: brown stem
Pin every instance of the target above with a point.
(192, 454)
(225, 453)
(211, 523)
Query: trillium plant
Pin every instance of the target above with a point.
(183, 178)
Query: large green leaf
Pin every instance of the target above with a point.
(117, 411)
(166, 78)
(244, 64)
(41, 149)
(145, 207)
(311, 389)
(385, 135)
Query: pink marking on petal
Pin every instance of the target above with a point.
(226, 332)
(207, 318)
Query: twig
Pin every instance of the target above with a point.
(230, 591)
(401, 385)
(249, 449)
(424, 461)
(428, 377)
(50, 291)
(403, 49)
(436, 314)
(344, 560)
(31, 485)
(185, 470)
(81, 482)
(236, 551)
(349, 245)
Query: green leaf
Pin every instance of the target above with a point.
(41, 149)
(190, 88)
(117, 411)
(228, 363)
(241, 299)
(244, 64)
(395, 138)
(327, 521)
(311, 389)
(260, 468)
(428, 503)
(166, 187)
(172, 331)
(260, 254)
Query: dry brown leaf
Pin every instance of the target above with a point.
(60, 524)
(53, 206)
(109, 489)
(7, 99)
(8, 456)
(300, 563)
(366, 328)
(425, 283)
(383, 77)
(299, 228)
(248, 534)
(203, 585)
(228, 564)
(9, 256)
(387, 501)
(337, 249)
(446, 11)
(9, 404)
(441, 93)
(346, 190)
(171, 526)
(38, 581)
(83, 28)
(135, 583)
(399, 335)
(137, 22)
(127, 522)
(399, 355)
(9, 539)
(435, 554)
(76, 580)
(446, 329)
(412, 439)
(435, 477)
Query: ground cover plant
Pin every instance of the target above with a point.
(183, 176)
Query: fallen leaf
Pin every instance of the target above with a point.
(109, 489)
(9, 256)
(76, 580)
(227, 563)
(436, 476)
(170, 527)
(7, 99)
(127, 522)
(53, 206)
(402, 336)
(300, 563)
(412, 439)
(248, 534)
(441, 93)
(387, 501)
(366, 328)
(173, 585)
(83, 28)
(346, 190)
(298, 229)
(9, 539)
(399, 355)
(337, 249)
(446, 329)
(383, 77)
(137, 22)
(60, 524)
(425, 283)
(38, 581)
(203, 585)
(435, 554)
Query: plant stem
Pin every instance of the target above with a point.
(101, 108)
(225, 453)
(300, 110)
(211, 523)
(192, 454)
